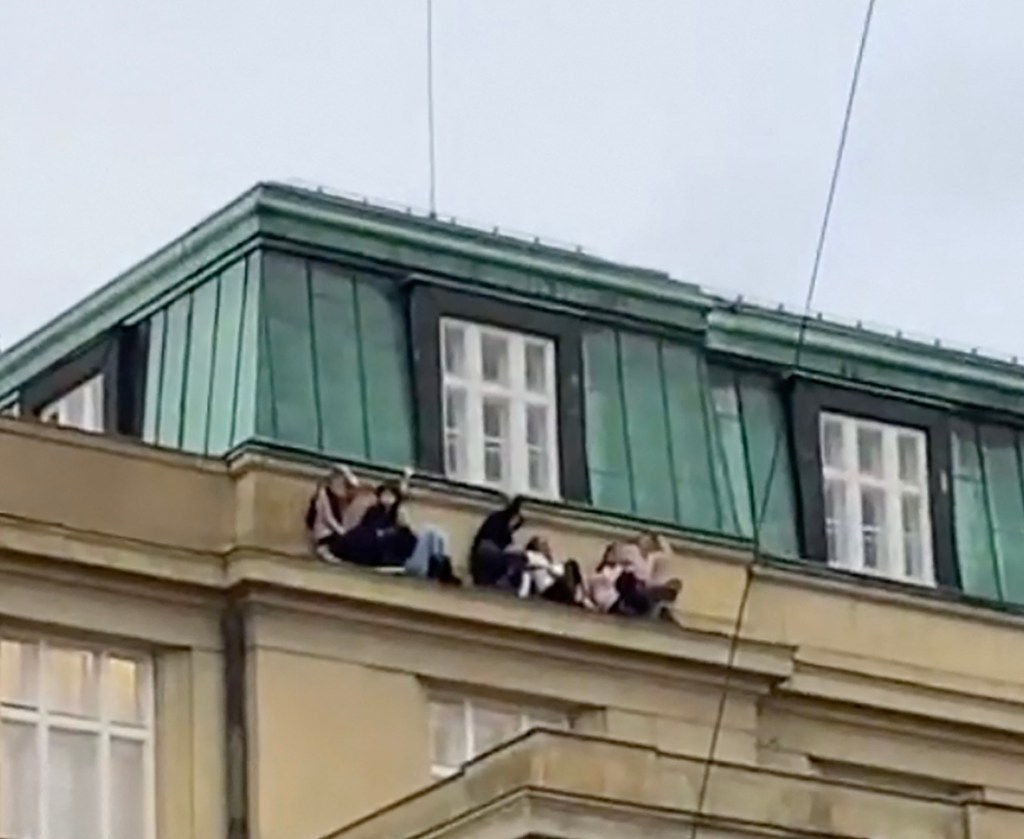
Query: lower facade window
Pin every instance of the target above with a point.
(76, 742)
(875, 487)
(499, 408)
(462, 729)
(81, 407)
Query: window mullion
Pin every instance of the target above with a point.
(474, 408)
(895, 561)
(43, 745)
(149, 753)
(554, 487)
(105, 781)
(855, 517)
(925, 512)
(518, 453)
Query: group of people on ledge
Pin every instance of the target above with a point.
(349, 521)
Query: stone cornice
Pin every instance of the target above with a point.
(635, 785)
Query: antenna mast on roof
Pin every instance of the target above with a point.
(430, 108)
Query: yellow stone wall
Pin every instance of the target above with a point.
(837, 683)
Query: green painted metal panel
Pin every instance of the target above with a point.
(288, 343)
(154, 376)
(224, 372)
(176, 338)
(607, 453)
(770, 465)
(386, 387)
(689, 435)
(974, 545)
(244, 424)
(729, 454)
(1006, 506)
(340, 403)
(646, 427)
(200, 367)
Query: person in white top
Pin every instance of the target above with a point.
(560, 582)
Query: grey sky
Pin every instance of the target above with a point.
(694, 136)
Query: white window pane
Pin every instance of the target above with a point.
(72, 794)
(19, 781)
(449, 748)
(492, 726)
(455, 412)
(494, 463)
(869, 451)
(75, 410)
(537, 447)
(873, 527)
(835, 521)
(71, 681)
(536, 367)
(455, 409)
(537, 466)
(495, 417)
(832, 443)
(127, 789)
(93, 416)
(454, 340)
(494, 358)
(909, 457)
(18, 673)
(124, 690)
(495, 428)
(913, 542)
(537, 426)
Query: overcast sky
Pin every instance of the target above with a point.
(694, 136)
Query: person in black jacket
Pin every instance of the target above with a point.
(493, 558)
(384, 538)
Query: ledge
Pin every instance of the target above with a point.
(611, 785)
(369, 598)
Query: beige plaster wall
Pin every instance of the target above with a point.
(333, 741)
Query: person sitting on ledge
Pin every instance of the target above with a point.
(325, 516)
(352, 522)
(494, 560)
(623, 583)
(552, 580)
(389, 540)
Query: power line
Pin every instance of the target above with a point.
(430, 108)
(773, 464)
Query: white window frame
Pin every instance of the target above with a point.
(529, 717)
(894, 488)
(61, 411)
(519, 397)
(45, 719)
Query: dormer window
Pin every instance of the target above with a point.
(81, 407)
(875, 483)
(499, 408)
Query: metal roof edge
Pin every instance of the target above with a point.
(731, 327)
(445, 236)
(771, 328)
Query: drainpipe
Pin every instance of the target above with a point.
(235, 640)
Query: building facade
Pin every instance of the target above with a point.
(174, 663)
